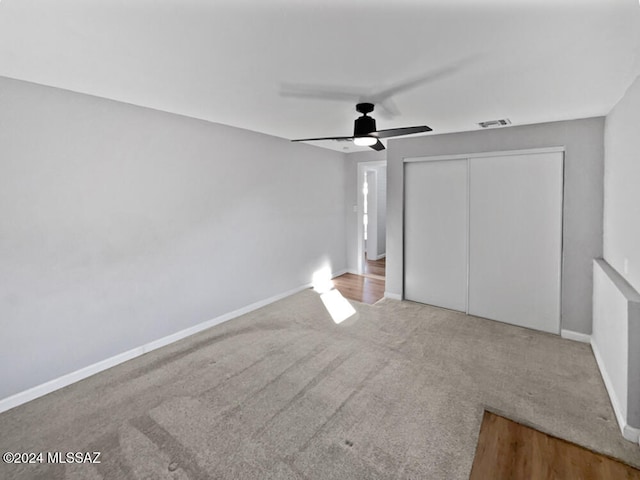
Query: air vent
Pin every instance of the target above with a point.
(495, 123)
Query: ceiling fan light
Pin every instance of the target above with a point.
(365, 141)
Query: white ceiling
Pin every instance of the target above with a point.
(226, 61)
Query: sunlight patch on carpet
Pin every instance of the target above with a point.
(338, 307)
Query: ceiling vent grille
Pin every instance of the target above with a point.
(495, 123)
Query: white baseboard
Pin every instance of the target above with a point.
(392, 296)
(576, 336)
(380, 257)
(630, 433)
(340, 272)
(60, 382)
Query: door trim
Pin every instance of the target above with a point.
(462, 156)
(361, 167)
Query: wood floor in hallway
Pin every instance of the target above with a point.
(376, 267)
(367, 288)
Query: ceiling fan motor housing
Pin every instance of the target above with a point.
(364, 126)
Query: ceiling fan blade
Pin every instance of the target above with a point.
(383, 94)
(396, 132)
(387, 108)
(323, 92)
(410, 84)
(322, 138)
(377, 146)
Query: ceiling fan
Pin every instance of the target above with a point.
(365, 133)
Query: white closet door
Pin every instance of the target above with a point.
(516, 239)
(435, 250)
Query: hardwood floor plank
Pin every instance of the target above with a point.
(357, 287)
(376, 267)
(509, 450)
(366, 288)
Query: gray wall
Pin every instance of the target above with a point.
(583, 198)
(622, 187)
(351, 195)
(120, 225)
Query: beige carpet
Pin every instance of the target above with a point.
(398, 391)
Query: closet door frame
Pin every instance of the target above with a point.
(467, 157)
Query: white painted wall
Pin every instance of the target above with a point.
(616, 338)
(610, 335)
(622, 187)
(583, 197)
(616, 344)
(120, 225)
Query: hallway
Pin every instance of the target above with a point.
(367, 288)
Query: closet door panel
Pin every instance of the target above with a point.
(435, 250)
(515, 239)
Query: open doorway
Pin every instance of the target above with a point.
(366, 283)
(372, 218)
